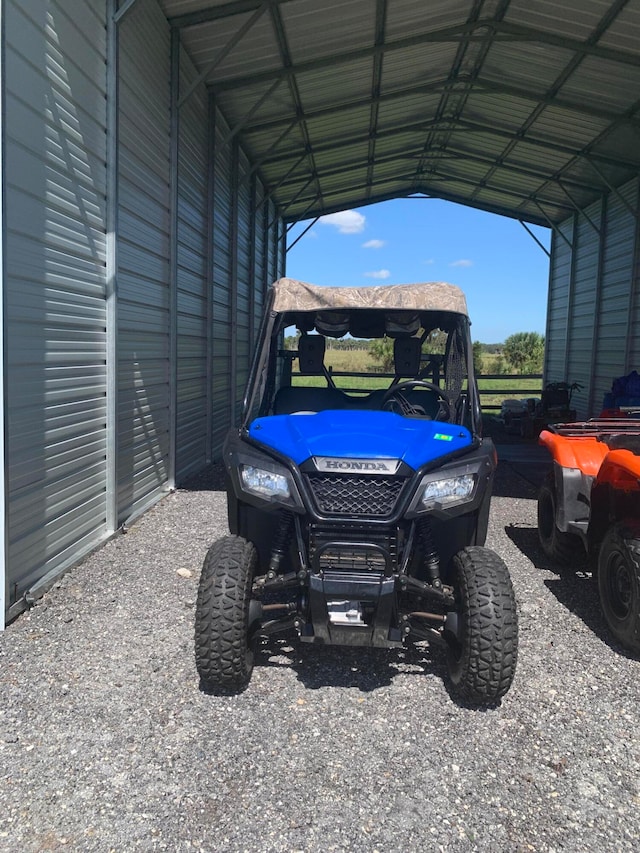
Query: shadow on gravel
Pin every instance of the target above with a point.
(338, 666)
(522, 463)
(365, 669)
(209, 479)
(574, 586)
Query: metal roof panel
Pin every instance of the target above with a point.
(451, 96)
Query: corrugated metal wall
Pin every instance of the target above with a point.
(192, 278)
(171, 350)
(593, 320)
(55, 125)
(582, 301)
(557, 302)
(245, 260)
(618, 285)
(144, 235)
(632, 361)
(223, 295)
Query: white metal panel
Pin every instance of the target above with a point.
(55, 155)
(192, 248)
(143, 257)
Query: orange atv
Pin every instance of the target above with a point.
(590, 504)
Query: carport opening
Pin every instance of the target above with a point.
(501, 264)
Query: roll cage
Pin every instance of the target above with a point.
(409, 314)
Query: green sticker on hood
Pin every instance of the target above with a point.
(441, 436)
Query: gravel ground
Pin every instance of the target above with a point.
(107, 744)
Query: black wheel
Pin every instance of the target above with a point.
(223, 645)
(483, 648)
(619, 584)
(561, 547)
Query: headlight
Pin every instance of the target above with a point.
(449, 490)
(446, 492)
(264, 483)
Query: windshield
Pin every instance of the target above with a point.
(314, 361)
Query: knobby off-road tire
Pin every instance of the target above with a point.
(619, 583)
(561, 547)
(482, 661)
(223, 645)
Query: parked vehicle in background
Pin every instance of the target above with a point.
(554, 406)
(590, 506)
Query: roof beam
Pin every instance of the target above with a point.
(459, 126)
(460, 32)
(447, 34)
(285, 56)
(435, 194)
(453, 103)
(409, 178)
(505, 31)
(376, 83)
(217, 13)
(459, 154)
(226, 50)
(570, 67)
(479, 87)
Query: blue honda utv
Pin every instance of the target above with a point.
(358, 515)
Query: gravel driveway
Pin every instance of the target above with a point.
(107, 744)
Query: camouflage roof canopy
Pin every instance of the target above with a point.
(291, 295)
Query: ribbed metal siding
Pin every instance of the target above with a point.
(273, 249)
(192, 277)
(582, 305)
(244, 266)
(617, 276)
(222, 283)
(633, 342)
(557, 303)
(55, 285)
(261, 279)
(143, 257)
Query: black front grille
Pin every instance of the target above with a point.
(370, 497)
(352, 548)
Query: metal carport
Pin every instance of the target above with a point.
(155, 151)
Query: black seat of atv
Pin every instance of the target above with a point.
(296, 399)
(623, 441)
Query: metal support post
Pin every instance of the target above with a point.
(111, 272)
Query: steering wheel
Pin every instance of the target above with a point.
(395, 395)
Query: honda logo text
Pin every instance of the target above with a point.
(362, 466)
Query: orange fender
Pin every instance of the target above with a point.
(621, 470)
(585, 453)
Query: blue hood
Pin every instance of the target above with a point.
(359, 435)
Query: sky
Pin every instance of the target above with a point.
(502, 270)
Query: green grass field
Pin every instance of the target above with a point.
(359, 361)
(493, 390)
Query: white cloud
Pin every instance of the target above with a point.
(374, 244)
(378, 274)
(461, 263)
(346, 221)
(430, 261)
